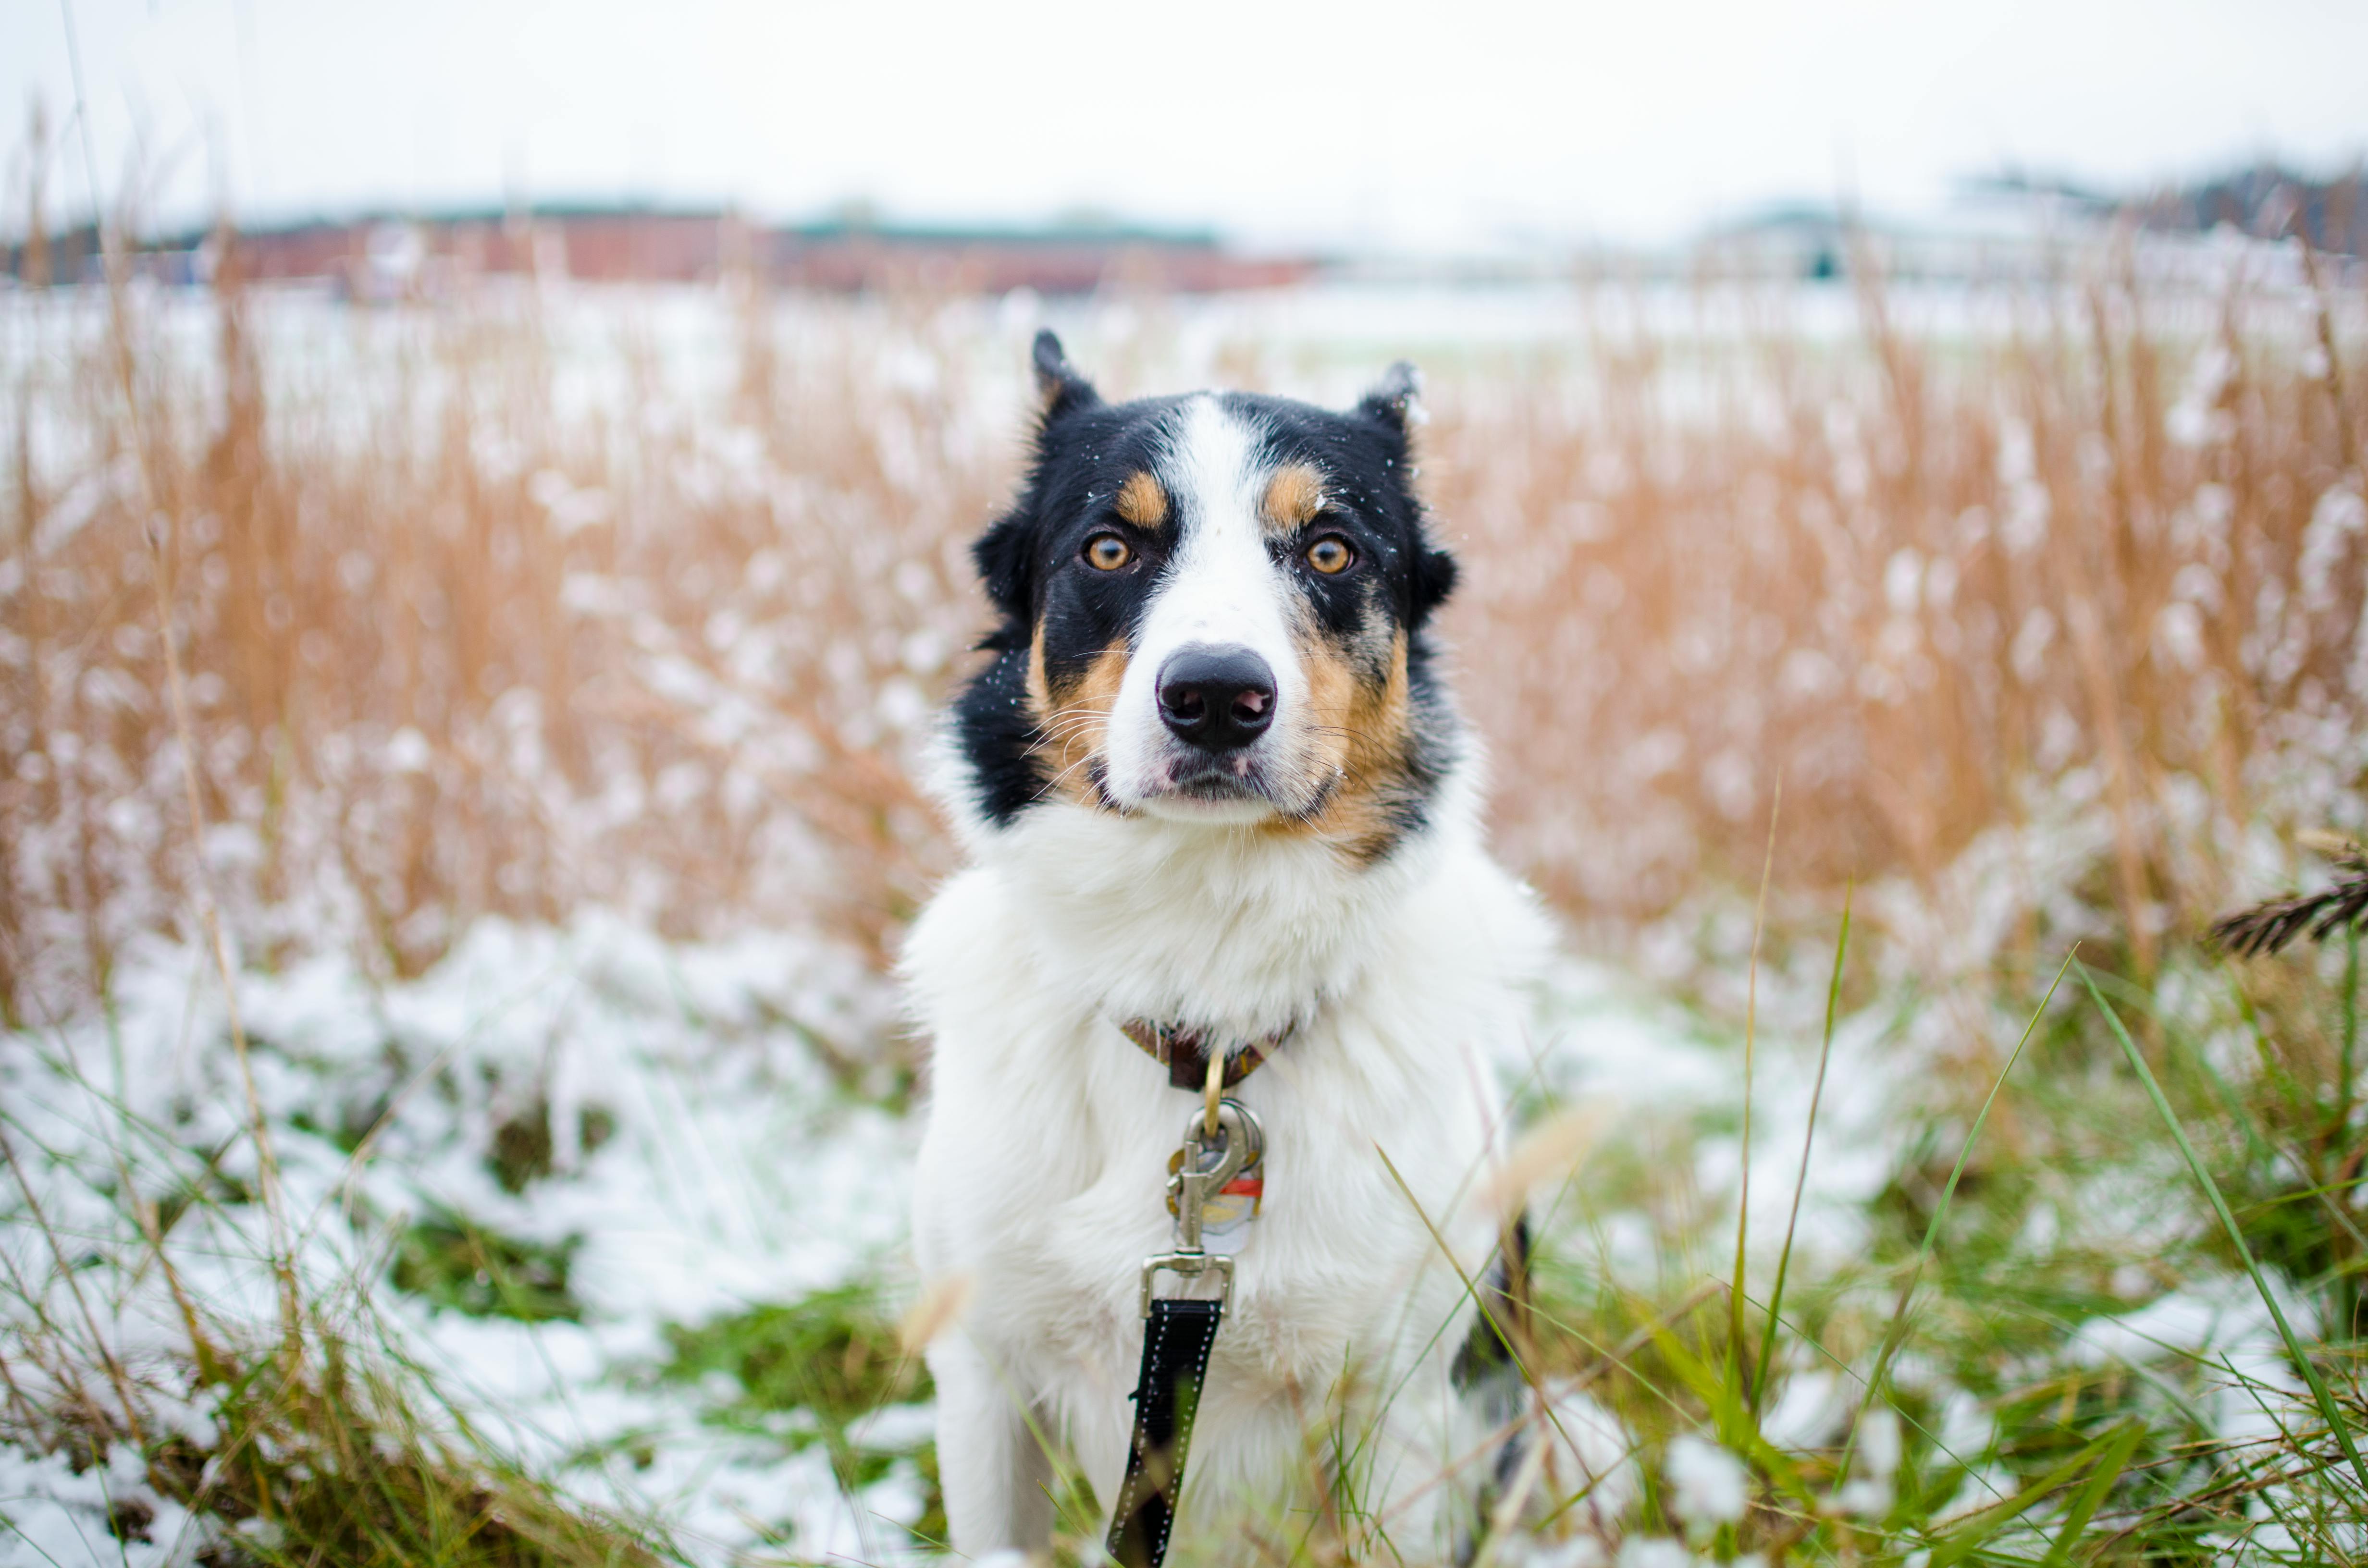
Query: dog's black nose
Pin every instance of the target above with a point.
(1219, 698)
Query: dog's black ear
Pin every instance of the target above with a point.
(1059, 387)
(1005, 557)
(1395, 400)
(1395, 404)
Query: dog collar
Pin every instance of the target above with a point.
(1185, 1052)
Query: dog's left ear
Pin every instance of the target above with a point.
(1395, 404)
(1396, 400)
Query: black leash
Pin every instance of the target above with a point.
(1177, 1340)
(1222, 1141)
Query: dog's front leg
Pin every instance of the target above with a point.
(995, 1474)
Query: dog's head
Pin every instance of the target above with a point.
(1212, 609)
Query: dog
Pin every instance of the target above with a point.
(1214, 792)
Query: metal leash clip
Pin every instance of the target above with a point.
(1211, 1157)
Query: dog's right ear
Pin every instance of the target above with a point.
(1396, 402)
(1059, 389)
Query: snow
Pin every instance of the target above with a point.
(2225, 1324)
(738, 1166)
(1654, 1551)
(58, 1505)
(739, 1170)
(1709, 1485)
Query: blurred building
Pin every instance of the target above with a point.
(383, 258)
(1984, 236)
(2268, 202)
(2001, 230)
(2021, 229)
(854, 255)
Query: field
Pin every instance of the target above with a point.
(458, 813)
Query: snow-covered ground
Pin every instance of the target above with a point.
(721, 1133)
(751, 1148)
(726, 1127)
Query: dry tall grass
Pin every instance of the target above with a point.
(471, 628)
(454, 652)
(2115, 541)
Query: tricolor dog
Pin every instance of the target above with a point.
(1218, 809)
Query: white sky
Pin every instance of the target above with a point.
(1437, 124)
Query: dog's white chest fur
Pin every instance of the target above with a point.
(1044, 1167)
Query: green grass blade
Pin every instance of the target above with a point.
(1897, 1330)
(2101, 1481)
(1751, 1042)
(1808, 1142)
(1735, 1427)
(1479, 1297)
(2326, 1401)
(1967, 1538)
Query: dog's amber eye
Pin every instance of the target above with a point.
(1107, 552)
(1330, 555)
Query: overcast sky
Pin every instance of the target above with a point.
(1437, 124)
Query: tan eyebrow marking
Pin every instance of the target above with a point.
(1293, 496)
(1142, 502)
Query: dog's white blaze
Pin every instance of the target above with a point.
(1222, 588)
